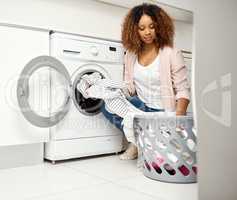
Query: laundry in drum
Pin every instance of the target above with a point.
(114, 95)
(94, 85)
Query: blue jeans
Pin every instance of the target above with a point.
(117, 120)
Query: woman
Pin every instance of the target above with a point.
(154, 72)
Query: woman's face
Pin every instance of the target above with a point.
(146, 29)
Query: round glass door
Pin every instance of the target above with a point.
(42, 100)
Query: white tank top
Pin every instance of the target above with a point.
(147, 83)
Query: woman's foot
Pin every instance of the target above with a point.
(130, 153)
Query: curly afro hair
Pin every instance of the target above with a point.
(163, 23)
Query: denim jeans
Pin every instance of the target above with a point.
(117, 120)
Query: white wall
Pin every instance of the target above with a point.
(183, 35)
(216, 57)
(75, 16)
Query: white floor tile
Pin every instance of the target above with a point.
(108, 167)
(165, 191)
(101, 192)
(101, 178)
(27, 182)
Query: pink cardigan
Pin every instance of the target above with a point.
(173, 76)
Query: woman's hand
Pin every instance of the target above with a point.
(181, 106)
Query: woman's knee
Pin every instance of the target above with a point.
(107, 114)
(113, 118)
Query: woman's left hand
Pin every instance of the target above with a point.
(181, 106)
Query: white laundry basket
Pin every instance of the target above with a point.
(167, 147)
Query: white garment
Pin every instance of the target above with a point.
(94, 86)
(147, 83)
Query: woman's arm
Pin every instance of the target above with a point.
(129, 59)
(181, 106)
(179, 75)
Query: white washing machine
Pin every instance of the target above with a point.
(76, 126)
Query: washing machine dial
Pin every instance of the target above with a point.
(94, 51)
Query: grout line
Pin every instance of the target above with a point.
(100, 177)
(119, 184)
(73, 188)
(106, 181)
(115, 182)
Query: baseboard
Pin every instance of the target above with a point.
(21, 155)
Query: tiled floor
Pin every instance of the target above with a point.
(100, 178)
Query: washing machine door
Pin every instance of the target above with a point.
(25, 91)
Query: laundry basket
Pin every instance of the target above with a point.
(167, 147)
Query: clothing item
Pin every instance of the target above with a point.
(147, 83)
(94, 86)
(173, 76)
(118, 121)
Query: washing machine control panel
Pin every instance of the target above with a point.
(86, 49)
(114, 53)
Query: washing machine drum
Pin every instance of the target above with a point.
(88, 106)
